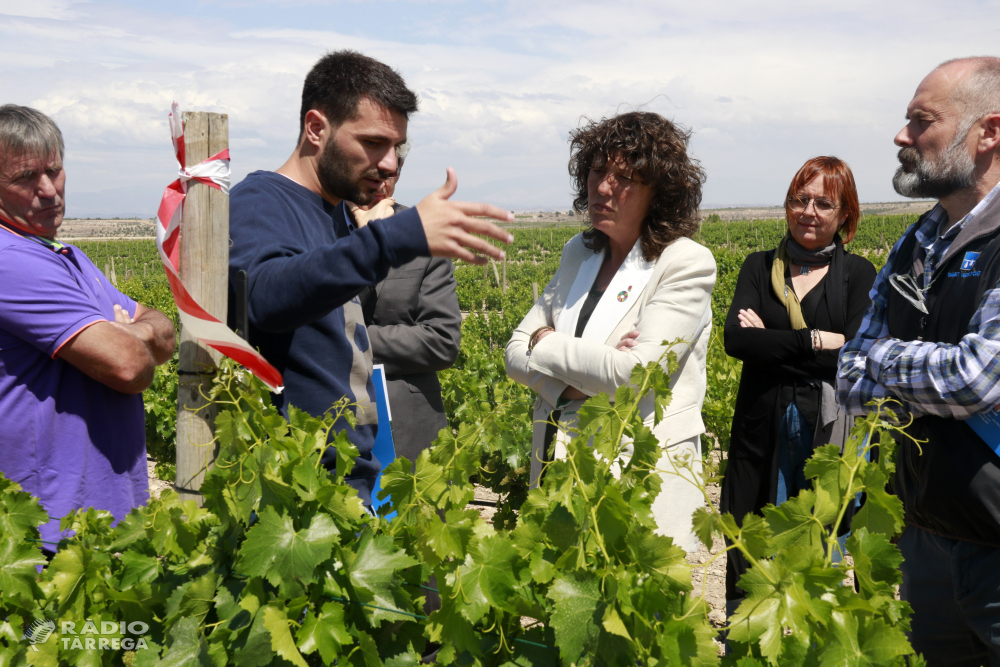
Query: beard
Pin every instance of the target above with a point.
(952, 171)
(336, 179)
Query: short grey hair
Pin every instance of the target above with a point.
(978, 94)
(27, 131)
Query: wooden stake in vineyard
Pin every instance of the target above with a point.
(204, 270)
(503, 284)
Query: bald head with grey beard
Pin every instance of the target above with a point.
(976, 95)
(939, 176)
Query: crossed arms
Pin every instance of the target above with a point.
(122, 354)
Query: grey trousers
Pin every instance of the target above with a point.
(954, 589)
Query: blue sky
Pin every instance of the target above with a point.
(763, 85)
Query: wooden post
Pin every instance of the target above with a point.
(503, 284)
(496, 274)
(204, 270)
(534, 292)
(114, 274)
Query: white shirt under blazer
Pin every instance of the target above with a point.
(664, 300)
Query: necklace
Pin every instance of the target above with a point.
(803, 270)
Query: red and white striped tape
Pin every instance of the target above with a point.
(213, 172)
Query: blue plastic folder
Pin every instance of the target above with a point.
(987, 426)
(383, 449)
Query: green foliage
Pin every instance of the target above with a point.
(283, 565)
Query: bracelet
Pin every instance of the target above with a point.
(533, 339)
(817, 340)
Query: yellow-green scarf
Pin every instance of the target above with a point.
(785, 294)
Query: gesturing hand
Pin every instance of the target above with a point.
(449, 226)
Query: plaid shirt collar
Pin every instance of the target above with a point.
(934, 243)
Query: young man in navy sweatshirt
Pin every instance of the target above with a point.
(305, 260)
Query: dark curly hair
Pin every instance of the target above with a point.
(656, 151)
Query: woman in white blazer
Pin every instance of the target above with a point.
(630, 282)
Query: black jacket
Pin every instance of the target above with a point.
(415, 327)
(953, 487)
(777, 363)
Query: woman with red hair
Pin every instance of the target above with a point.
(793, 309)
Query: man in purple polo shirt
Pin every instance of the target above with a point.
(75, 353)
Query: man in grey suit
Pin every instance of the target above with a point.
(415, 328)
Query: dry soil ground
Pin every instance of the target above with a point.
(101, 229)
(777, 212)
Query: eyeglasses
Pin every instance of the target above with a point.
(799, 203)
(615, 180)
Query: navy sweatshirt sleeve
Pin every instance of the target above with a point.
(298, 271)
(305, 269)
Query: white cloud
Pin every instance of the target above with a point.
(764, 85)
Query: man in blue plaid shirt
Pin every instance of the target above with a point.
(931, 340)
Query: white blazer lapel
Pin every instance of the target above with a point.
(585, 276)
(618, 299)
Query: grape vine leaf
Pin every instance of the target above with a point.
(612, 512)
(792, 524)
(129, 530)
(275, 550)
(659, 556)
(324, 632)
(253, 647)
(347, 453)
(831, 481)
(576, 621)
(187, 646)
(876, 560)
(20, 514)
(870, 642)
(275, 493)
(192, 599)
(705, 523)
(18, 561)
(451, 537)
(882, 512)
(276, 622)
(405, 487)
(488, 576)
(304, 473)
(367, 655)
(448, 625)
(772, 594)
(67, 571)
(373, 574)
